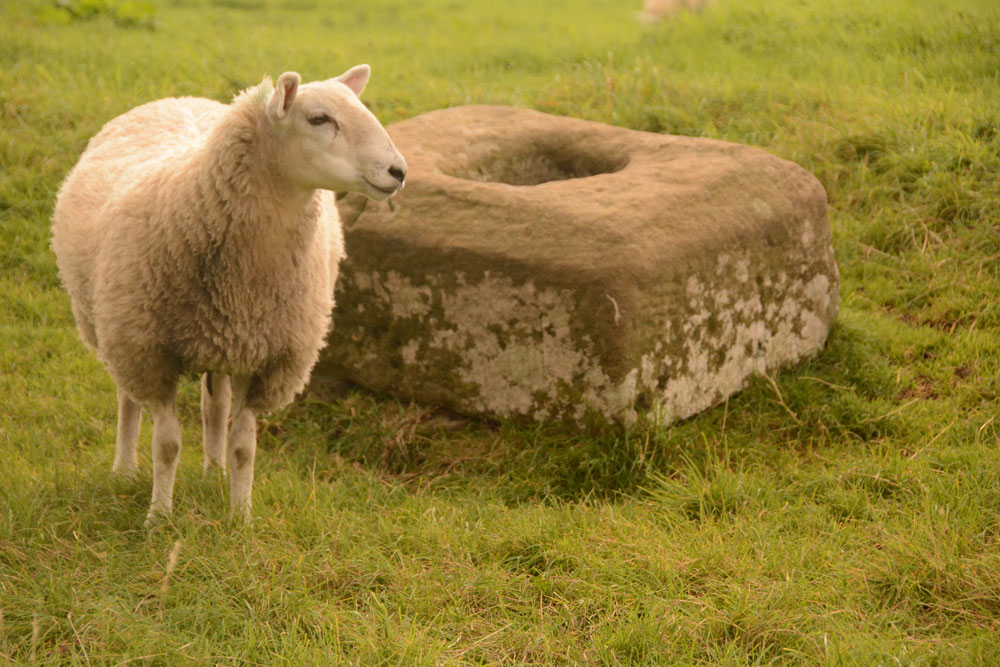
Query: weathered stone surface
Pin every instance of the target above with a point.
(538, 266)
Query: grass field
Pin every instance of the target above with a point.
(848, 513)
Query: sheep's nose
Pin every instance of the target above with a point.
(397, 173)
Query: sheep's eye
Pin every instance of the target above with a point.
(321, 119)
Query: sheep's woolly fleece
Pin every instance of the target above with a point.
(180, 254)
(192, 236)
(654, 10)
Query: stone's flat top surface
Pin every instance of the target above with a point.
(656, 203)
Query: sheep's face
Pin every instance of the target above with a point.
(329, 140)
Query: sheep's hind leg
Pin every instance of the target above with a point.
(166, 453)
(241, 450)
(127, 438)
(216, 396)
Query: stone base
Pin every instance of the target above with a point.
(538, 266)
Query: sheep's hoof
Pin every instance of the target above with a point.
(240, 514)
(157, 517)
(213, 467)
(125, 471)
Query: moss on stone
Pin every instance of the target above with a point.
(656, 273)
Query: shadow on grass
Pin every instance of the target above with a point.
(843, 398)
(843, 394)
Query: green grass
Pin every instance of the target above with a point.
(849, 513)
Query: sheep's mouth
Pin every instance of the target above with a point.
(388, 192)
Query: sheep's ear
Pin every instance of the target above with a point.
(356, 78)
(283, 95)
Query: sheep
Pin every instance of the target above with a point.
(654, 10)
(196, 237)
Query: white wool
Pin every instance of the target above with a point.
(194, 236)
(654, 10)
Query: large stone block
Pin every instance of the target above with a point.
(539, 266)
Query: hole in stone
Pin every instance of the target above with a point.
(534, 163)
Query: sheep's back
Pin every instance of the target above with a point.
(137, 142)
(128, 147)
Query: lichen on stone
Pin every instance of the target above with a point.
(659, 284)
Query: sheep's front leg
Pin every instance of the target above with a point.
(216, 396)
(127, 438)
(166, 453)
(242, 449)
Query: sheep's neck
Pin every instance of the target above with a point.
(260, 210)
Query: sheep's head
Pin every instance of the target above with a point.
(329, 140)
